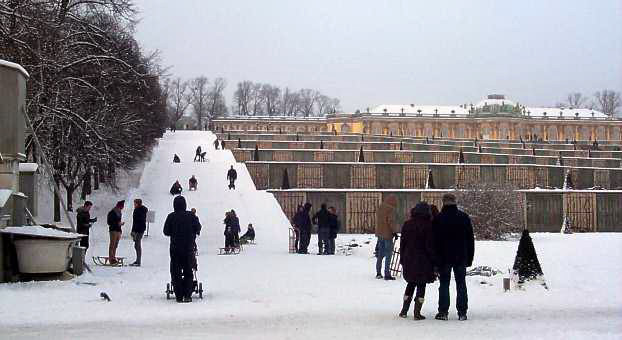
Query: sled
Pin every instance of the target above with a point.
(395, 266)
(197, 286)
(292, 241)
(229, 251)
(104, 261)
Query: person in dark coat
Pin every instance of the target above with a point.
(182, 227)
(192, 183)
(197, 155)
(417, 256)
(216, 144)
(232, 175)
(235, 227)
(114, 227)
(455, 248)
(295, 227)
(84, 222)
(176, 159)
(334, 230)
(249, 235)
(323, 220)
(229, 239)
(302, 221)
(176, 188)
(139, 225)
(222, 144)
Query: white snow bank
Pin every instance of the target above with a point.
(28, 167)
(39, 231)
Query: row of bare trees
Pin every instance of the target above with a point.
(256, 98)
(608, 102)
(200, 97)
(94, 97)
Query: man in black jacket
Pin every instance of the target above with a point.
(182, 227)
(323, 220)
(334, 230)
(232, 175)
(139, 225)
(84, 223)
(302, 221)
(455, 245)
(114, 227)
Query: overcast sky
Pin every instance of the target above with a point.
(369, 52)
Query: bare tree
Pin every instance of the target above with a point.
(271, 96)
(608, 101)
(216, 100)
(308, 98)
(179, 99)
(243, 96)
(575, 100)
(256, 98)
(290, 103)
(199, 98)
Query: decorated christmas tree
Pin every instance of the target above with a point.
(526, 265)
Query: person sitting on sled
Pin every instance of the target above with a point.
(176, 188)
(192, 183)
(249, 235)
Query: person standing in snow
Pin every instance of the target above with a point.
(139, 225)
(216, 144)
(232, 175)
(222, 144)
(114, 227)
(302, 221)
(386, 231)
(182, 227)
(455, 247)
(84, 222)
(323, 220)
(235, 227)
(296, 228)
(231, 225)
(334, 230)
(417, 257)
(197, 155)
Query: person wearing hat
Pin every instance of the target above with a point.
(114, 227)
(84, 223)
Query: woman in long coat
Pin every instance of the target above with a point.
(417, 256)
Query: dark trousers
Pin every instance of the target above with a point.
(462, 299)
(305, 239)
(410, 290)
(232, 184)
(323, 244)
(181, 273)
(229, 240)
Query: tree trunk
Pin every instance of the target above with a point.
(56, 202)
(96, 179)
(70, 191)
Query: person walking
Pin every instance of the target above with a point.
(386, 231)
(84, 222)
(417, 257)
(455, 246)
(216, 144)
(114, 227)
(232, 175)
(197, 156)
(182, 227)
(323, 220)
(139, 225)
(302, 221)
(334, 230)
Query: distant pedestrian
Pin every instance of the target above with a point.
(182, 227)
(139, 225)
(193, 183)
(114, 228)
(417, 257)
(222, 144)
(216, 144)
(84, 222)
(249, 235)
(176, 159)
(296, 228)
(335, 225)
(323, 220)
(386, 232)
(197, 156)
(202, 159)
(455, 246)
(302, 222)
(232, 175)
(176, 189)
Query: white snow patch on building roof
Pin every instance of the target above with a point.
(18, 67)
(423, 109)
(28, 167)
(39, 231)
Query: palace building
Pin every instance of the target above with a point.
(493, 118)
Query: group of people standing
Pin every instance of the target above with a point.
(432, 245)
(115, 224)
(328, 226)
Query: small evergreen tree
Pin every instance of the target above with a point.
(321, 144)
(361, 156)
(401, 146)
(461, 157)
(533, 151)
(429, 183)
(239, 143)
(256, 154)
(560, 160)
(526, 264)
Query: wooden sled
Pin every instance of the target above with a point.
(229, 251)
(104, 261)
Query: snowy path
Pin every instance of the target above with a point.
(266, 293)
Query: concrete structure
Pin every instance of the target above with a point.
(492, 118)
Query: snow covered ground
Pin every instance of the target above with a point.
(266, 293)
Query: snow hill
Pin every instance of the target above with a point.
(266, 293)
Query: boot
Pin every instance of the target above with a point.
(417, 311)
(406, 306)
